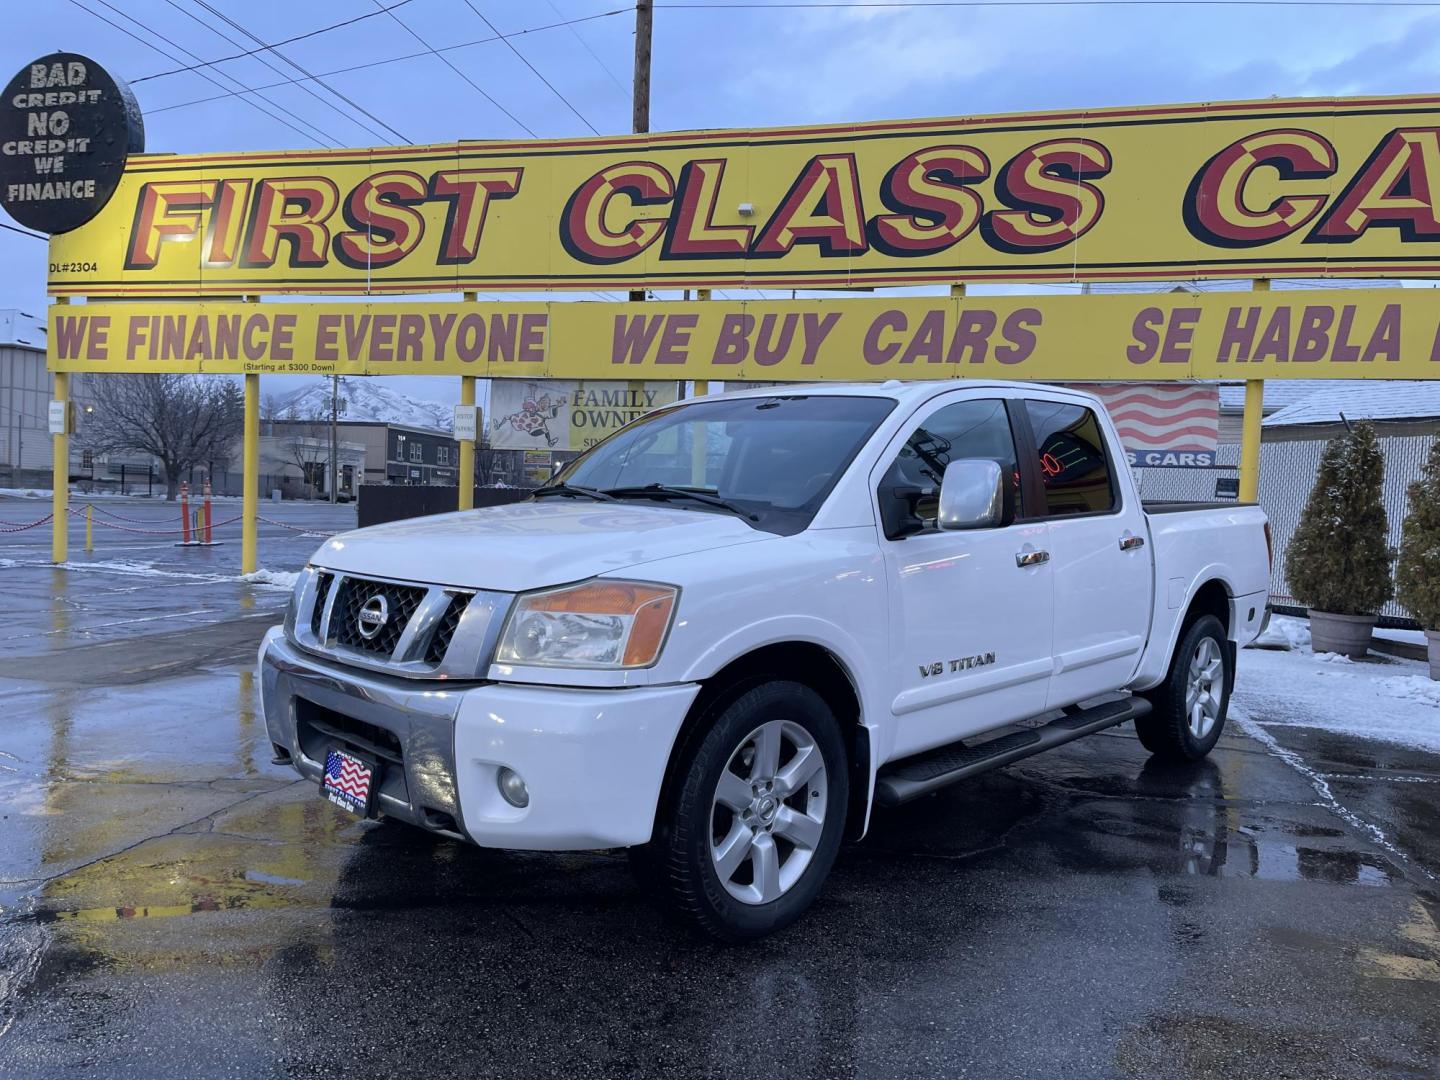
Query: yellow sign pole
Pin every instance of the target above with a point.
(89, 528)
(1250, 428)
(466, 494)
(250, 496)
(60, 482)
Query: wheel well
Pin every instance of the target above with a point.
(1212, 598)
(793, 661)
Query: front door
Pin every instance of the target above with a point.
(969, 626)
(1098, 557)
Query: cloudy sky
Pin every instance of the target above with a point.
(714, 66)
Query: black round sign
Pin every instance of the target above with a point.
(66, 128)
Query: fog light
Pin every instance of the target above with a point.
(512, 787)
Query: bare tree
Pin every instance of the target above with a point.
(181, 420)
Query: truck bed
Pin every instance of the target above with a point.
(1176, 506)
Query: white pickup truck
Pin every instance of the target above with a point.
(724, 634)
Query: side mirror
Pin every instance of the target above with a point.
(974, 494)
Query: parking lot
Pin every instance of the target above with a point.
(172, 905)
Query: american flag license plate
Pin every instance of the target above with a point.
(347, 781)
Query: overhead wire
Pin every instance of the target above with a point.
(392, 60)
(261, 58)
(302, 69)
(175, 59)
(549, 85)
(586, 46)
(285, 41)
(446, 61)
(24, 232)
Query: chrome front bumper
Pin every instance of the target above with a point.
(409, 725)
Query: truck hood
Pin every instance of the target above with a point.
(531, 545)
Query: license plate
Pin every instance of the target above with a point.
(348, 781)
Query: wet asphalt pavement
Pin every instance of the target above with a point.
(171, 905)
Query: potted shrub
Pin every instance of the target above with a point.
(1337, 563)
(1417, 578)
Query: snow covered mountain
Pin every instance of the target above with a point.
(365, 399)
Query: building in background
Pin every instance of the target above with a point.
(373, 452)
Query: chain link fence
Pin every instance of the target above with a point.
(1287, 472)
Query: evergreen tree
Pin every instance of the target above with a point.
(1418, 576)
(1337, 560)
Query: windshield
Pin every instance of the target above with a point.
(775, 458)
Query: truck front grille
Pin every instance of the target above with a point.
(323, 582)
(449, 622)
(426, 632)
(355, 595)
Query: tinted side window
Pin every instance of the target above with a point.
(1073, 465)
(967, 429)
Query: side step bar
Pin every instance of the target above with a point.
(912, 777)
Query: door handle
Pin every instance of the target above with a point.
(1130, 543)
(1031, 558)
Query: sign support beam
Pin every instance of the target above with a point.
(467, 450)
(1250, 428)
(250, 497)
(60, 482)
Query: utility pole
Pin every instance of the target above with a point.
(644, 13)
(334, 437)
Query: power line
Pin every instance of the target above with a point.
(300, 68)
(24, 232)
(225, 37)
(175, 59)
(511, 46)
(286, 41)
(396, 59)
(446, 61)
(586, 46)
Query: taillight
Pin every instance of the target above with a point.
(1269, 547)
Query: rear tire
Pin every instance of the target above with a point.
(749, 828)
(1189, 707)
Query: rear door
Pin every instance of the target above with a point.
(1095, 536)
(969, 626)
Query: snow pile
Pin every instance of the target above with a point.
(1413, 688)
(7, 563)
(1285, 633)
(366, 399)
(276, 579)
(1388, 699)
(27, 493)
(1333, 658)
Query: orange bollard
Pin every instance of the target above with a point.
(184, 512)
(206, 490)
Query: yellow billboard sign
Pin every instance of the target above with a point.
(1312, 187)
(1309, 334)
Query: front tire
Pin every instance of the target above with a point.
(1189, 707)
(747, 833)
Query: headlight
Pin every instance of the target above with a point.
(600, 624)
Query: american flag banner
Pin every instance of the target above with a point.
(1163, 425)
(347, 781)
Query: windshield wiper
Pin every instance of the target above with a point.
(574, 491)
(667, 491)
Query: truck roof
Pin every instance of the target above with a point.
(894, 388)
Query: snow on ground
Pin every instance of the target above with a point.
(279, 579)
(1382, 697)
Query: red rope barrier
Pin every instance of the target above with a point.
(34, 524)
